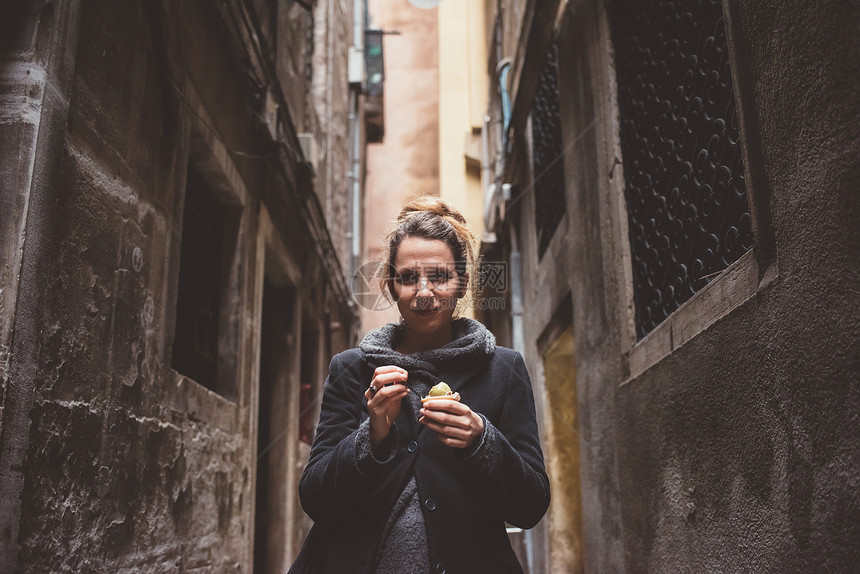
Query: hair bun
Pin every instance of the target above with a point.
(430, 204)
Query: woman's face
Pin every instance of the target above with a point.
(426, 285)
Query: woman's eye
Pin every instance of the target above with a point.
(407, 279)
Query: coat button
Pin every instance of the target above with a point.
(412, 446)
(440, 568)
(430, 504)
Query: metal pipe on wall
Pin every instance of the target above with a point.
(518, 342)
(354, 234)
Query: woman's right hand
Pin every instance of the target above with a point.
(383, 402)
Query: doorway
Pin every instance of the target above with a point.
(274, 429)
(563, 464)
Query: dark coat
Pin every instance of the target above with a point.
(465, 501)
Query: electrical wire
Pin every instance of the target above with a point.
(284, 432)
(560, 155)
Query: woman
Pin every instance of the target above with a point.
(397, 486)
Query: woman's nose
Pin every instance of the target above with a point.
(423, 286)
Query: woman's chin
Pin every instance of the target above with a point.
(426, 313)
(429, 321)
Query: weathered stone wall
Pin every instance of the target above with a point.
(330, 108)
(118, 478)
(726, 439)
(740, 451)
(38, 48)
(128, 465)
(572, 286)
(338, 144)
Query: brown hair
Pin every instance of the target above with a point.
(429, 217)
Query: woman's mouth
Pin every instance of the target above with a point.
(424, 312)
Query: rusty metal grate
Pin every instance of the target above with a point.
(686, 197)
(547, 154)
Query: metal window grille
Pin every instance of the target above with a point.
(683, 167)
(547, 154)
(195, 347)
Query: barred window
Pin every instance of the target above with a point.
(547, 154)
(683, 165)
(201, 273)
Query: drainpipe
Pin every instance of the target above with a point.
(354, 174)
(358, 24)
(518, 336)
(517, 331)
(502, 70)
(487, 184)
(356, 182)
(485, 153)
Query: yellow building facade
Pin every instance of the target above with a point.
(462, 105)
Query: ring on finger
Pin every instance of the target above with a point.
(373, 389)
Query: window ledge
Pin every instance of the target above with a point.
(189, 398)
(737, 284)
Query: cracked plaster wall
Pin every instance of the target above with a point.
(130, 467)
(738, 450)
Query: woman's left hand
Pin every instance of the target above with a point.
(454, 423)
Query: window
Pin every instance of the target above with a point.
(683, 166)
(207, 249)
(374, 61)
(548, 167)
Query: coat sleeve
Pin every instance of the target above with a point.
(335, 481)
(510, 459)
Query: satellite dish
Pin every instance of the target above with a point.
(425, 3)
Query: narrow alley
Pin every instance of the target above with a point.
(194, 207)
